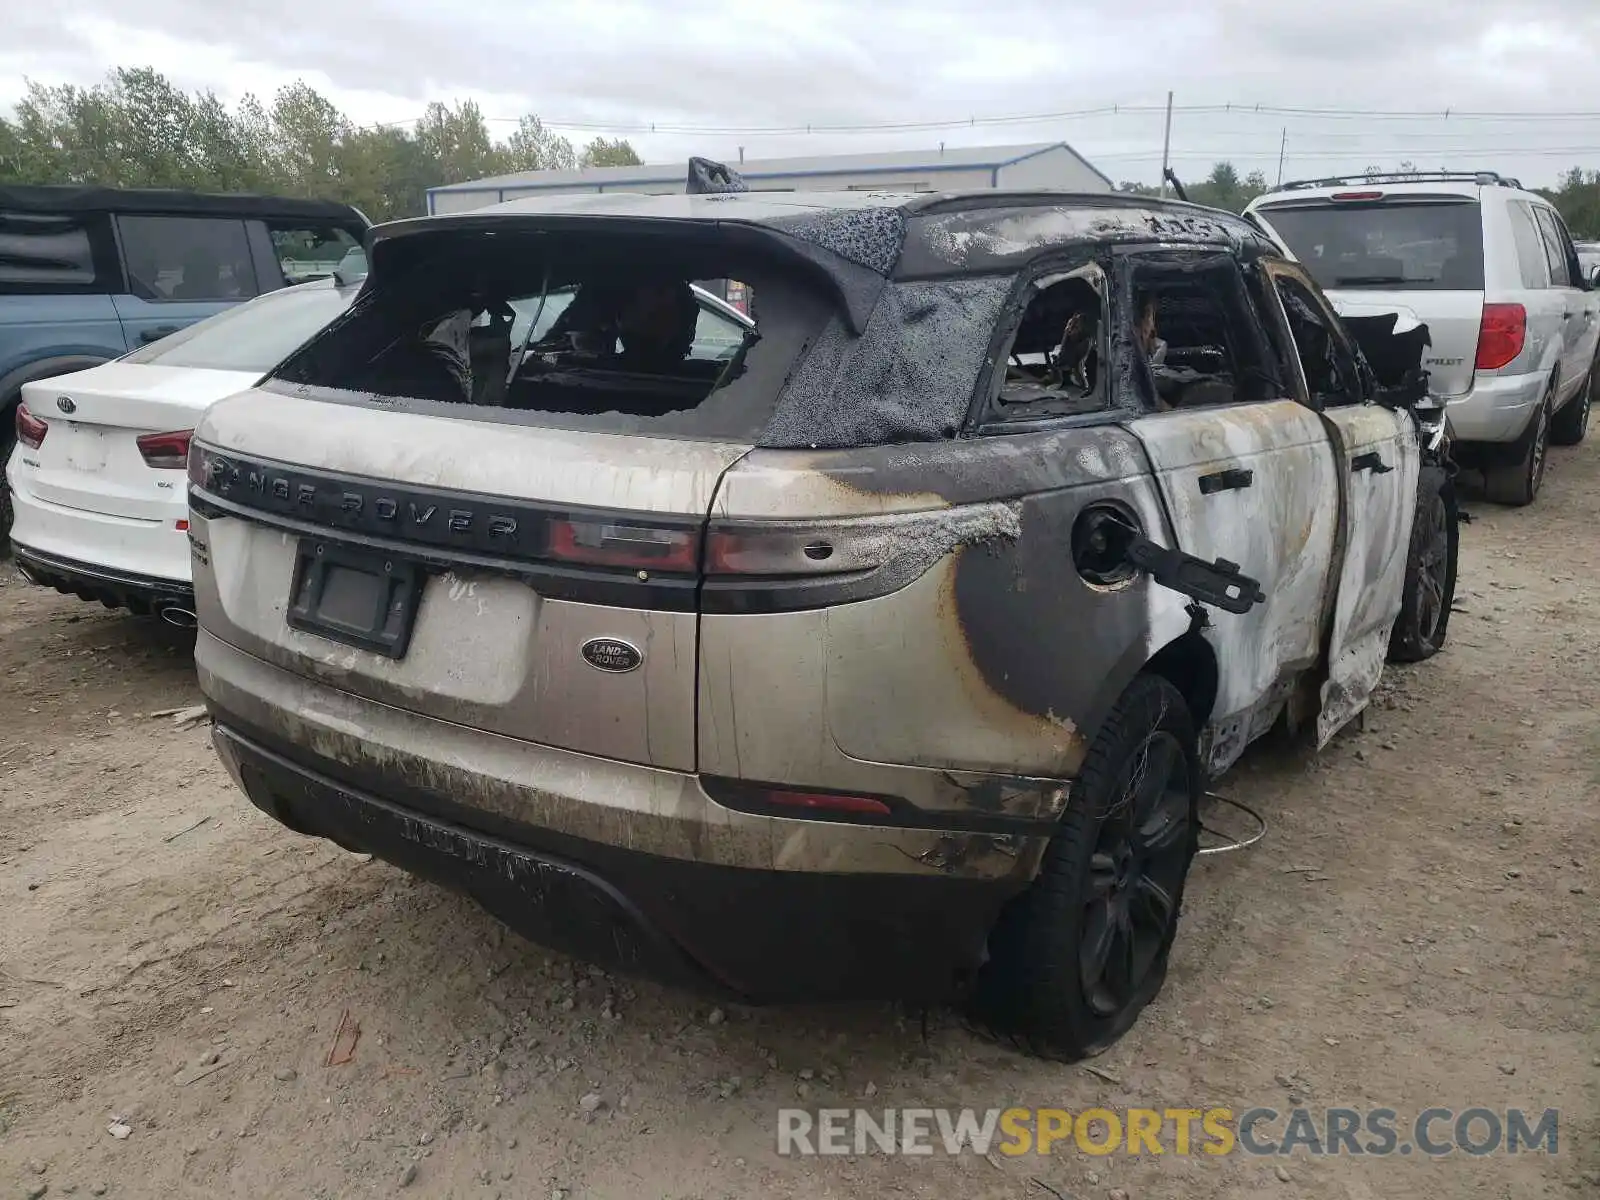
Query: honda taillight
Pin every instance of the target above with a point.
(30, 429)
(166, 451)
(634, 546)
(1501, 335)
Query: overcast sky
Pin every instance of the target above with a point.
(759, 64)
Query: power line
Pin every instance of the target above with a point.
(1112, 110)
(1365, 152)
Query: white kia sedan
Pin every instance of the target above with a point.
(97, 476)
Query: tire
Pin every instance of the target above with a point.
(1568, 427)
(1518, 483)
(1116, 862)
(1430, 586)
(8, 439)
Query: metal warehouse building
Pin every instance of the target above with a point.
(1038, 165)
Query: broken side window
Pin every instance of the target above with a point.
(1332, 376)
(1055, 361)
(1197, 340)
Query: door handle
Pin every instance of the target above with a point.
(1370, 461)
(159, 332)
(1226, 481)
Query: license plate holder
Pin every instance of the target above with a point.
(360, 598)
(86, 448)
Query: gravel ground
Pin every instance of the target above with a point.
(174, 967)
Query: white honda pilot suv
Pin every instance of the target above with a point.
(1492, 271)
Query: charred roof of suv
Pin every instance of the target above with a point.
(893, 234)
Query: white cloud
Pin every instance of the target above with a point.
(748, 63)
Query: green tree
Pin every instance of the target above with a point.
(457, 141)
(1224, 189)
(152, 124)
(1577, 199)
(1221, 189)
(606, 152)
(137, 129)
(534, 148)
(308, 136)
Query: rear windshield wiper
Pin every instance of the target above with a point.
(1373, 280)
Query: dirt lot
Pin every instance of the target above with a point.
(1417, 930)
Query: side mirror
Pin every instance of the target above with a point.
(1594, 278)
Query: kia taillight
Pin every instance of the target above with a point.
(1501, 335)
(30, 429)
(166, 451)
(633, 546)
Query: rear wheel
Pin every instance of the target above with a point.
(8, 439)
(1430, 587)
(1075, 958)
(1567, 427)
(1518, 483)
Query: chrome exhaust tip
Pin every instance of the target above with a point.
(176, 614)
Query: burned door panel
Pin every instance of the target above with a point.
(1379, 457)
(1254, 484)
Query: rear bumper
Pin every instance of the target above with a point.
(141, 594)
(1497, 409)
(124, 546)
(765, 909)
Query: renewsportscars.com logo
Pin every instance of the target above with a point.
(1377, 1132)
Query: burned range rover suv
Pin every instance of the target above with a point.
(881, 647)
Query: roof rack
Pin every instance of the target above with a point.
(1484, 178)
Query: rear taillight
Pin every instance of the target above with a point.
(833, 802)
(633, 546)
(1347, 197)
(1501, 335)
(30, 429)
(765, 799)
(166, 451)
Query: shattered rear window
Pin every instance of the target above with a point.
(612, 336)
(909, 377)
(604, 332)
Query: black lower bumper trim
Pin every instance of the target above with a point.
(757, 935)
(142, 594)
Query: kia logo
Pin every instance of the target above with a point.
(65, 404)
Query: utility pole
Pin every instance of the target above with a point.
(1282, 146)
(1166, 147)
